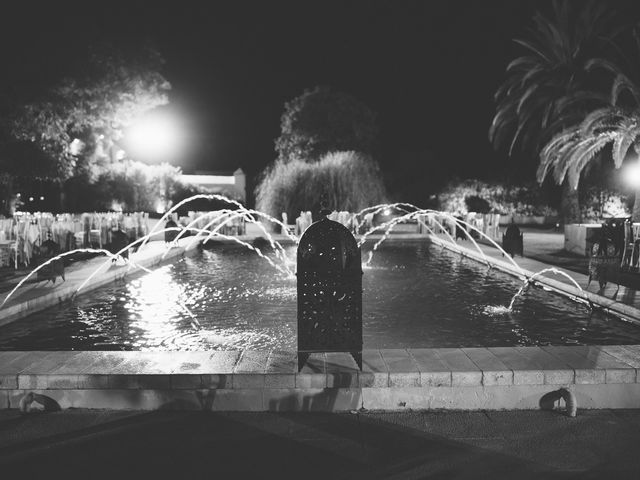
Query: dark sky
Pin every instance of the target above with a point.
(429, 69)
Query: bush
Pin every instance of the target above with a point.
(349, 181)
(597, 204)
(462, 196)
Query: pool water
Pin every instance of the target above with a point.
(414, 295)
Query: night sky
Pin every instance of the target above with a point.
(429, 70)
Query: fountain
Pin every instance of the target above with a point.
(280, 257)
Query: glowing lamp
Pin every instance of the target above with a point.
(632, 175)
(154, 136)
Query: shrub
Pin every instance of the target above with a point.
(462, 196)
(348, 181)
(597, 204)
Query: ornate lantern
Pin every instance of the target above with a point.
(329, 292)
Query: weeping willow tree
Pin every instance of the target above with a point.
(348, 181)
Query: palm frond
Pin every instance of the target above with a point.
(579, 98)
(526, 61)
(583, 155)
(534, 48)
(601, 63)
(525, 96)
(597, 119)
(621, 84)
(534, 72)
(553, 150)
(624, 139)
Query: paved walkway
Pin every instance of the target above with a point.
(460, 445)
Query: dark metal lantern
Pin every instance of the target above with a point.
(329, 292)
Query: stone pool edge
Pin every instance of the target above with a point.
(64, 292)
(493, 378)
(619, 309)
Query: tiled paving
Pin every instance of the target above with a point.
(259, 380)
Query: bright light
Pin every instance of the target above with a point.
(632, 174)
(386, 212)
(116, 206)
(155, 136)
(76, 147)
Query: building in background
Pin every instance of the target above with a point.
(232, 185)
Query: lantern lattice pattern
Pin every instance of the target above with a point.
(329, 292)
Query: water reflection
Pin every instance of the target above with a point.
(414, 295)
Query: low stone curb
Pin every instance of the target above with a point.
(452, 378)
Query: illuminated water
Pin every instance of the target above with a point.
(415, 295)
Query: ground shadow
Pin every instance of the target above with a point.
(262, 445)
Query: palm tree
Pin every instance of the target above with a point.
(547, 88)
(616, 124)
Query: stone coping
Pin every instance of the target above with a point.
(264, 370)
(560, 286)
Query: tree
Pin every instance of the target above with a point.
(321, 121)
(77, 121)
(548, 87)
(19, 162)
(349, 181)
(617, 124)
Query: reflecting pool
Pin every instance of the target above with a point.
(415, 294)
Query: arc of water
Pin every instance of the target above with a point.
(422, 222)
(278, 248)
(390, 227)
(173, 229)
(124, 249)
(470, 237)
(380, 207)
(57, 257)
(209, 196)
(190, 227)
(445, 231)
(537, 274)
(485, 236)
(410, 216)
(419, 211)
(266, 216)
(398, 206)
(397, 220)
(285, 271)
(193, 222)
(280, 252)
